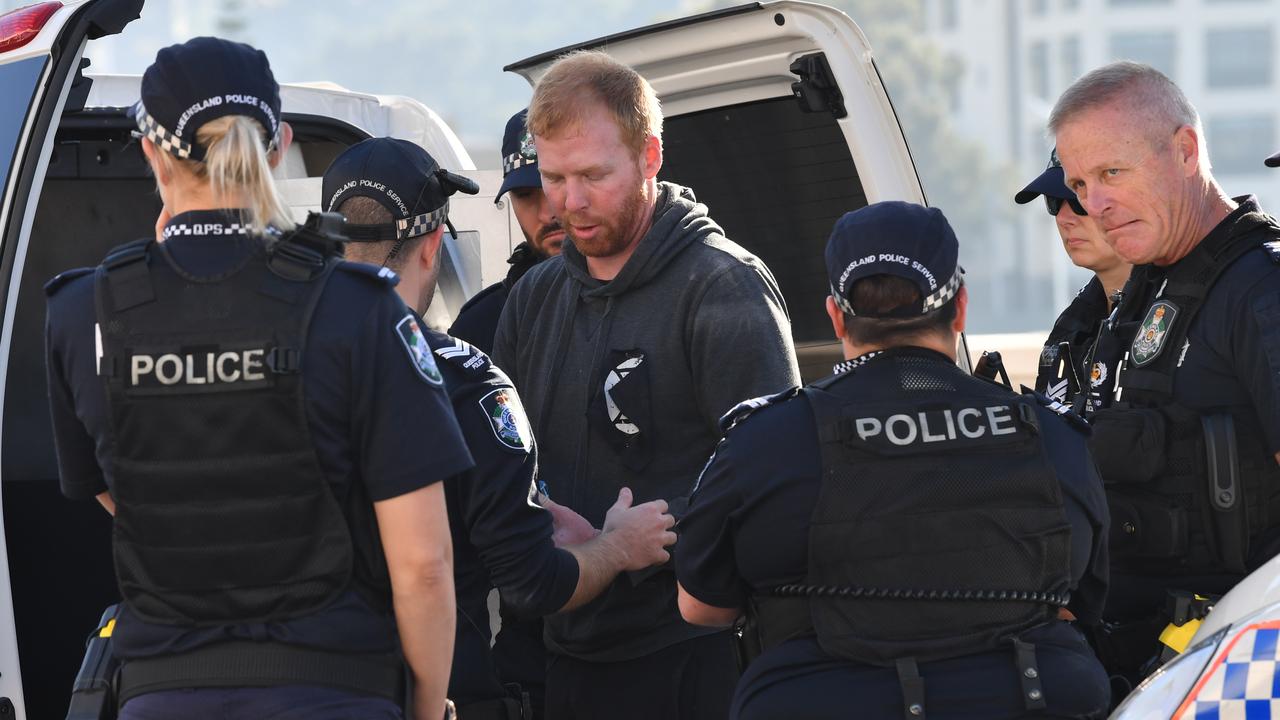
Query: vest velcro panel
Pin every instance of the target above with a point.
(223, 511)
(969, 503)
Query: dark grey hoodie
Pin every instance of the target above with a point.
(625, 382)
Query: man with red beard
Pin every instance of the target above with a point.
(627, 350)
(543, 235)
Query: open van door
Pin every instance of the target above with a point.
(776, 116)
(47, 596)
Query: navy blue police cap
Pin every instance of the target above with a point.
(203, 79)
(1273, 161)
(1050, 183)
(519, 156)
(403, 178)
(897, 238)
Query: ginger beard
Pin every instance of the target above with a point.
(608, 237)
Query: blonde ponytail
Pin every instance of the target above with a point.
(235, 163)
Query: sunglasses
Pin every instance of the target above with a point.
(1055, 204)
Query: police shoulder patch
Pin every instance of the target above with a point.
(415, 343)
(469, 358)
(1063, 410)
(62, 278)
(506, 416)
(383, 275)
(744, 409)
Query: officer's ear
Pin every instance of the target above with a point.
(429, 250)
(962, 310)
(837, 318)
(158, 168)
(282, 147)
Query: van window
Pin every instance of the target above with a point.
(18, 81)
(776, 179)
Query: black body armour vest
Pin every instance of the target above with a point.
(223, 512)
(1206, 485)
(939, 529)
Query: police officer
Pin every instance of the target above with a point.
(903, 538)
(396, 200)
(232, 396)
(477, 321)
(1190, 445)
(1066, 367)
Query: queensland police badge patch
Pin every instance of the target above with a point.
(1153, 332)
(419, 351)
(507, 418)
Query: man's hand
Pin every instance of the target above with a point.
(569, 528)
(639, 534)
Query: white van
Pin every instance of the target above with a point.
(776, 116)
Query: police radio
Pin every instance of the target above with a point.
(302, 253)
(990, 366)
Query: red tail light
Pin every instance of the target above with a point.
(19, 26)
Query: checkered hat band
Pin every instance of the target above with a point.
(165, 140)
(944, 294)
(515, 162)
(170, 143)
(934, 301)
(421, 224)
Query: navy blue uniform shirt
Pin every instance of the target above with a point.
(748, 529)
(380, 427)
(500, 537)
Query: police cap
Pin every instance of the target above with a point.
(897, 238)
(519, 156)
(401, 177)
(203, 79)
(1050, 183)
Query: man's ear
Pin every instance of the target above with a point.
(1186, 143)
(286, 139)
(651, 157)
(837, 318)
(429, 250)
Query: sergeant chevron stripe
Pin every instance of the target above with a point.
(459, 349)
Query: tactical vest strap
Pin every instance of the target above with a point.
(128, 280)
(1029, 675)
(252, 664)
(912, 688)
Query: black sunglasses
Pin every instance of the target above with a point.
(1055, 204)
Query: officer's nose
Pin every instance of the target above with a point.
(1096, 201)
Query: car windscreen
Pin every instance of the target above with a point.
(18, 81)
(776, 178)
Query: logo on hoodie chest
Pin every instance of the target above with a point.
(615, 376)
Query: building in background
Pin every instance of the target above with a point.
(1019, 55)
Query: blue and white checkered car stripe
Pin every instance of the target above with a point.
(421, 224)
(1242, 683)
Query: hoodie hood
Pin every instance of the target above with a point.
(679, 221)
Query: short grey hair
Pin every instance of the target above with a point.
(1142, 89)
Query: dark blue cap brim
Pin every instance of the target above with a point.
(1050, 182)
(1273, 161)
(526, 176)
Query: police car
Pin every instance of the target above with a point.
(776, 115)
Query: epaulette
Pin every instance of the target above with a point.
(746, 407)
(1273, 249)
(464, 355)
(384, 275)
(1063, 411)
(63, 278)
